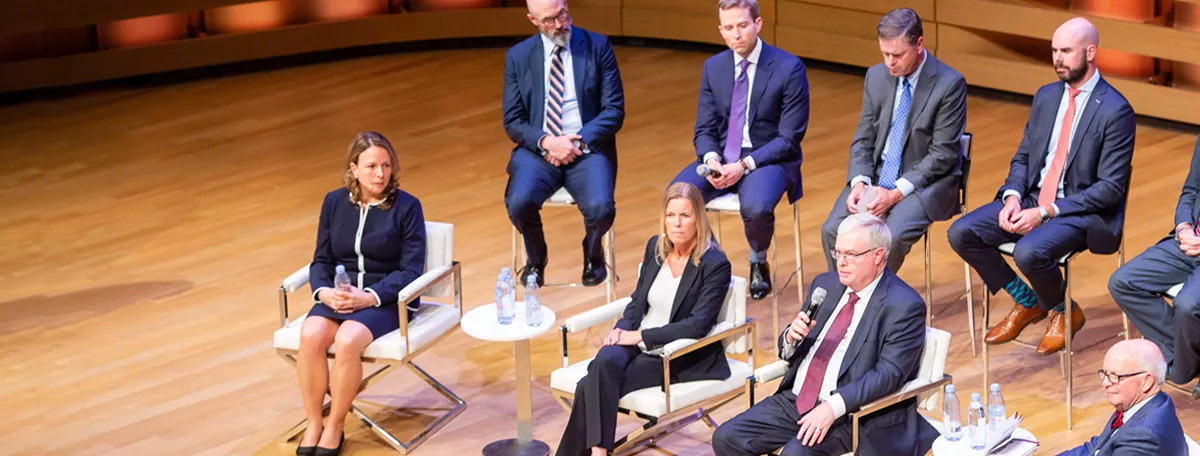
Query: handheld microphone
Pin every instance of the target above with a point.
(814, 305)
(704, 171)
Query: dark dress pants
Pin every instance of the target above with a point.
(771, 424)
(616, 371)
(907, 221)
(758, 192)
(1138, 289)
(976, 235)
(589, 179)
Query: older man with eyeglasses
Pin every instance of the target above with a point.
(1144, 422)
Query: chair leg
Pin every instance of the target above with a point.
(1066, 360)
(716, 222)
(928, 286)
(611, 262)
(971, 307)
(775, 293)
(987, 301)
(516, 249)
(799, 254)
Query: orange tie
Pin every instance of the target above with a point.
(1049, 191)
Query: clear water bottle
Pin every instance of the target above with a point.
(977, 423)
(341, 280)
(951, 416)
(504, 303)
(512, 287)
(995, 407)
(533, 302)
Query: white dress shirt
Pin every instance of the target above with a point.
(660, 299)
(571, 121)
(1085, 93)
(751, 70)
(902, 184)
(829, 384)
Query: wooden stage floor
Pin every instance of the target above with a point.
(146, 229)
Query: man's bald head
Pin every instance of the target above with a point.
(544, 6)
(1139, 355)
(1074, 51)
(552, 19)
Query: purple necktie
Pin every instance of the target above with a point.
(737, 115)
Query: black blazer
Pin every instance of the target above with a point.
(698, 300)
(884, 354)
(1098, 168)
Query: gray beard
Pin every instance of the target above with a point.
(566, 38)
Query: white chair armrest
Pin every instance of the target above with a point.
(771, 371)
(418, 286)
(673, 346)
(596, 316)
(296, 280)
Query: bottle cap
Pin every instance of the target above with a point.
(950, 389)
(995, 388)
(975, 397)
(341, 269)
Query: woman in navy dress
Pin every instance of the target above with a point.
(376, 231)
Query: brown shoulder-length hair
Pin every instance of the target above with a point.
(704, 236)
(362, 142)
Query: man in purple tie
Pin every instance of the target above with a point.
(865, 343)
(751, 117)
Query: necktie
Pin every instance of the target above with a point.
(895, 140)
(557, 84)
(1049, 191)
(820, 361)
(737, 115)
(1118, 421)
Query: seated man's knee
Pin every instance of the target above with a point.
(757, 213)
(521, 204)
(795, 448)
(1119, 283)
(598, 211)
(961, 236)
(722, 439)
(1031, 257)
(1187, 303)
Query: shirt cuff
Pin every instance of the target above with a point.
(1179, 227)
(904, 186)
(378, 302)
(839, 406)
(750, 163)
(1008, 193)
(788, 349)
(1056, 211)
(860, 178)
(539, 145)
(318, 290)
(712, 156)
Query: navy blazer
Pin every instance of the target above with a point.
(1100, 162)
(1153, 431)
(597, 86)
(778, 113)
(392, 243)
(884, 354)
(698, 300)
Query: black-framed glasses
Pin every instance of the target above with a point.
(849, 256)
(1115, 378)
(562, 16)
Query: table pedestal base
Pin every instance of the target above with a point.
(514, 447)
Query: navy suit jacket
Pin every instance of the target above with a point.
(698, 301)
(597, 87)
(778, 113)
(884, 354)
(1153, 431)
(1100, 162)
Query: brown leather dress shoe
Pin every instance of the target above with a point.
(1056, 334)
(1013, 323)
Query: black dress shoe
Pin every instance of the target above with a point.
(532, 269)
(322, 451)
(594, 273)
(305, 450)
(760, 280)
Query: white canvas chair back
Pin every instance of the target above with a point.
(733, 312)
(933, 365)
(439, 253)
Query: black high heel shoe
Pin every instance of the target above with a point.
(322, 451)
(307, 450)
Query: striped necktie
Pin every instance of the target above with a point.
(554, 102)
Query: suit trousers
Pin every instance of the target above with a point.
(771, 424)
(907, 221)
(976, 235)
(758, 192)
(616, 371)
(590, 180)
(1138, 289)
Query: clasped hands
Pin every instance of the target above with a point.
(731, 173)
(884, 200)
(1189, 241)
(561, 150)
(345, 301)
(1015, 220)
(620, 336)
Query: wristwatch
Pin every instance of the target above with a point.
(745, 167)
(1045, 215)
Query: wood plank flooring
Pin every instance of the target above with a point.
(146, 229)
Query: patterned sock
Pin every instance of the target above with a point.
(1063, 306)
(1021, 293)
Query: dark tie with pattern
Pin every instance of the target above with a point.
(820, 361)
(557, 85)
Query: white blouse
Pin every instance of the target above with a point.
(660, 298)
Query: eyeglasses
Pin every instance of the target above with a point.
(849, 256)
(562, 16)
(1115, 378)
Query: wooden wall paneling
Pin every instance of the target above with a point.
(835, 34)
(924, 8)
(31, 15)
(687, 20)
(215, 50)
(600, 16)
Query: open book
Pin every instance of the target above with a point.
(1000, 434)
(1006, 439)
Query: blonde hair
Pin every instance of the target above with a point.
(704, 236)
(361, 143)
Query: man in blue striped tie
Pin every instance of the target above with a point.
(914, 111)
(563, 106)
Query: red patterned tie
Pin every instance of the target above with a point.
(1119, 420)
(816, 369)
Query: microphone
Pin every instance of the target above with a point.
(815, 299)
(704, 171)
